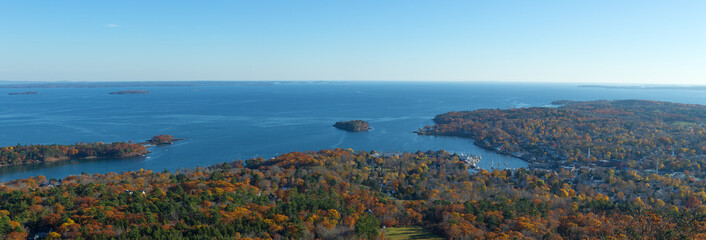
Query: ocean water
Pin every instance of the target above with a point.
(226, 123)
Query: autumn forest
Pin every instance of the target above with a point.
(641, 180)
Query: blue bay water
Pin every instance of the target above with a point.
(225, 123)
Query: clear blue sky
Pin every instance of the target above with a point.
(615, 41)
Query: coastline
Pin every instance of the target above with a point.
(62, 159)
(486, 148)
(123, 151)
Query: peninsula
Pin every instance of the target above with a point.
(353, 126)
(621, 133)
(35, 154)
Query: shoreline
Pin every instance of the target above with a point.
(63, 159)
(489, 149)
(135, 152)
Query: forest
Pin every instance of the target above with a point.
(35, 154)
(342, 194)
(635, 134)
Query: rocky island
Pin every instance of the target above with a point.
(353, 126)
(163, 140)
(24, 93)
(127, 92)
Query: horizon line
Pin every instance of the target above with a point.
(353, 80)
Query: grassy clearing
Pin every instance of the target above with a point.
(399, 233)
(684, 124)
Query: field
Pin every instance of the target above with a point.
(410, 233)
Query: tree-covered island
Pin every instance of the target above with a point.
(163, 140)
(353, 126)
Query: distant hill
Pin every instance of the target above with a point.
(23, 93)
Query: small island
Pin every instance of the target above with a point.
(24, 93)
(163, 140)
(353, 126)
(128, 92)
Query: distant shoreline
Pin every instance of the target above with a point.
(130, 92)
(653, 87)
(24, 93)
(140, 84)
(133, 84)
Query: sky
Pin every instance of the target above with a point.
(601, 41)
